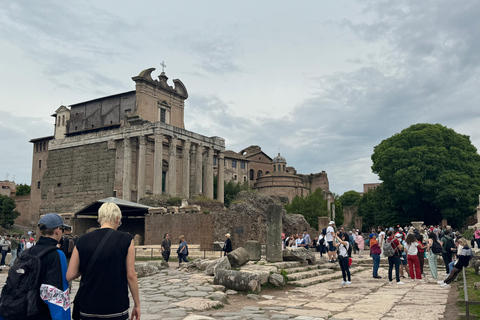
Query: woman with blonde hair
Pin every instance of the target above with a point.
(105, 258)
(182, 250)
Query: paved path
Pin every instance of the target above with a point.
(178, 295)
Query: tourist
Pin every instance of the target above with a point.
(21, 248)
(182, 250)
(30, 243)
(432, 257)
(227, 246)
(403, 256)
(306, 239)
(166, 247)
(447, 249)
(463, 260)
(321, 245)
(421, 253)
(381, 238)
(354, 244)
(5, 244)
(360, 244)
(477, 237)
(14, 245)
(291, 241)
(103, 292)
(375, 252)
(329, 237)
(342, 244)
(411, 248)
(394, 261)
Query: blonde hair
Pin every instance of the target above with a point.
(109, 212)
(463, 242)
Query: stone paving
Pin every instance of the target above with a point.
(178, 295)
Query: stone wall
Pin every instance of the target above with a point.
(77, 176)
(349, 213)
(27, 217)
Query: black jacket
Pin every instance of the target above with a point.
(227, 246)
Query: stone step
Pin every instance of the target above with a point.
(304, 268)
(286, 264)
(308, 274)
(323, 278)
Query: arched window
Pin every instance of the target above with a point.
(58, 121)
(63, 120)
(259, 173)
(283, 168)
(252, 175)
(279, 168)
(274, 168)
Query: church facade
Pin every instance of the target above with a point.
(127, 145)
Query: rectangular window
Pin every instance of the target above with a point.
(38, 184)
(39, 164)
(163, 115)
(242, 165)
(234, 163)
(214, 161)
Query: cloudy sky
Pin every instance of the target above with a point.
(321, 81)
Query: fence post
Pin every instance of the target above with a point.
(467, 311)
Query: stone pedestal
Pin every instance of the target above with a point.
(444, 223)
(322, 223)
(358, 223)
(417, 225)
(274, 233)
(254, 250)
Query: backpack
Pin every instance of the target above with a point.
(436, 247)
(388, 250)
(324, 231)
(68, 243)
(450, 246)
(21, 293)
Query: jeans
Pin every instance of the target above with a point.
(182, 258)
(166, 255)
(478, 242)
(343, 261)
(4, 254)
(394, 261)
(414, 267)
(447, 258)
(376, 264)
(451, 266)
(14, 256)
(432, 263)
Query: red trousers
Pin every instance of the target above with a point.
(414, 264)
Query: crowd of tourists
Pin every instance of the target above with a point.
(15, 244)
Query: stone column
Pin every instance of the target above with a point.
(142, 164)
(186, 169)
(157, 164)
(208, 179)
(172, 167)
(274, 233)
(127, 169)
(198, 169)
(220, 174)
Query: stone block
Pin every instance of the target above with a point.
(299, 254)
(238, 280)
(254, 250)
(476, 285)
(238, 257)
(274, 233)
(137, 240)
(277, 280)
(219, 264)
(158, 210)
(172, 209)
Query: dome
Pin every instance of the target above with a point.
(279, 159)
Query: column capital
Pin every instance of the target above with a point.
(158, 137)
(142, 140)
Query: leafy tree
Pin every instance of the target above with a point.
(8, 214)
(339, 218)
(231, 189)
(350, 198)
(429, 172)
(376, 208)
(311, 207)
(22, 190)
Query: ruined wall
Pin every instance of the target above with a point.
(27, 216)
(77, 176)
(349, 214)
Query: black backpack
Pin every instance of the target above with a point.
(450, 246)
(324, 231)
(21, 293)
(68, 243)
(436, 247)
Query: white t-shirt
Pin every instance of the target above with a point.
(343, 250)
(381, 238)
(329, 236)
(29, 245)
(412, 249)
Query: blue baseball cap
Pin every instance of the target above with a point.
(51, 221)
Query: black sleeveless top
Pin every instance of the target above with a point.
(106, 287)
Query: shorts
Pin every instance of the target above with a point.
(331, 247)
(403, 260)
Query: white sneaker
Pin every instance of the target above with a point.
(441, 282)
(413, 280)
(343, 283)
(400, 282)
(422, 281)
(445, 286)
(390, 282)
(348, 282)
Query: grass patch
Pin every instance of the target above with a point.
(473, 295)
(284, 273)
(268, 285)
(220, 306)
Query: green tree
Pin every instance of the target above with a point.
(376, 208)
(311, 207)
(429, 173)
(8, 214)
(231, 189)
(339, 218)
(22, 190)
(350, 198)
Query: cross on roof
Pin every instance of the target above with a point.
(163, 66)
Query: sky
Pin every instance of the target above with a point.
(321, 82)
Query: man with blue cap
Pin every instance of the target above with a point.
(54, 292)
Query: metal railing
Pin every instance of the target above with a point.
(194, 251)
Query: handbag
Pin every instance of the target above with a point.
(78, 296)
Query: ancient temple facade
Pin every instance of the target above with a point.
(126, 145)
